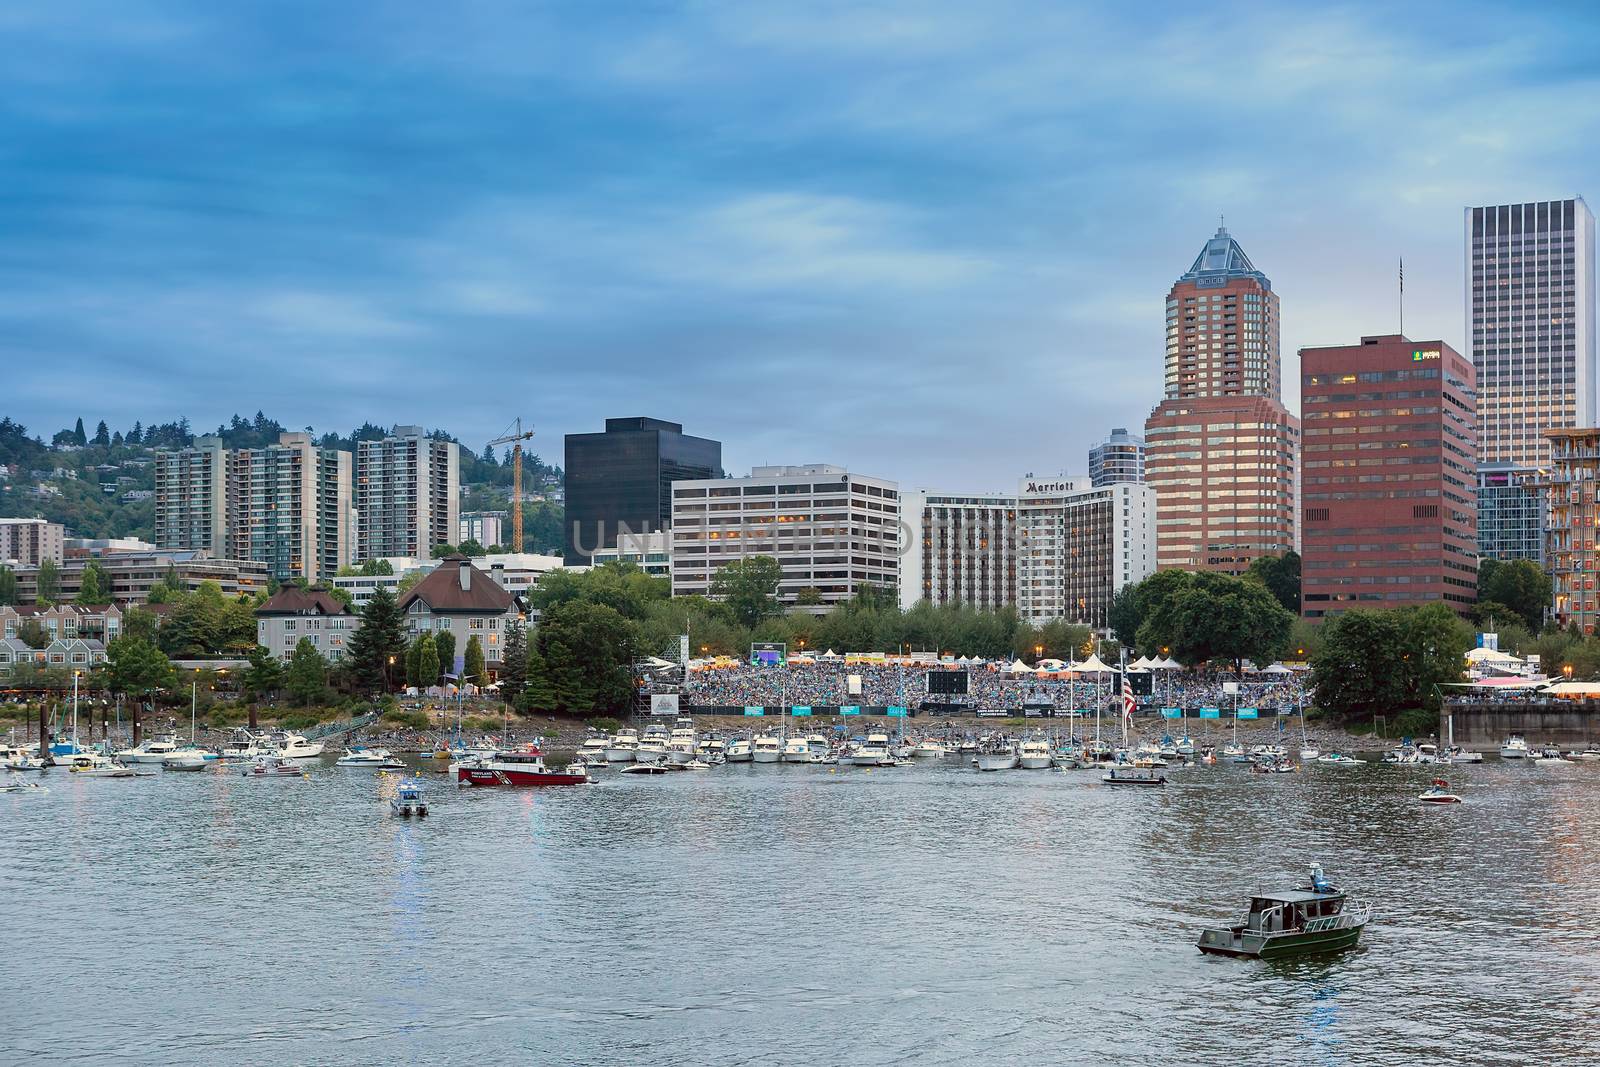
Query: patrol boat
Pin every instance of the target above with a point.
(1315, 918)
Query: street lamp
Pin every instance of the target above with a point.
(1038, 651)
(1567, 670)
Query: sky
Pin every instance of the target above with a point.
(929, 241)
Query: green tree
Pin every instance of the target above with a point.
(95, 587)
(470, 547)
(473, 666)
(427, 662)
(1385, 662)
(441, 551)
(137, 622)
(377, 568)
(514, 662)
(49, 583)
(264, 676)
(1281, 576)
(32, 633)
(380, 639)
(1520, 584)
(306, 680)
(1124, 615)
(8, 586)
(749, 587)
(413, 651)
(79, 438)
(102, 435)
(809, 596)
(136, 667)
(584, 665)
(620, 586)
(444, 647)
(408, 582)
(1210, 616)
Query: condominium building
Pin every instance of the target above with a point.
(961, 549)
(291, 507)
(1572, 484)
(133, 574)
(293, 614)
(620, 481)
(407, 489)
(1510, 512)
(831, 531)
(30, 542)
(1119, 458)
(484, 527)
(1077, 544)
(1388, 477)
(192, 497)
(1530, 312)
(1221, 448)
(466, 601)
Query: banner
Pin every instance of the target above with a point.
(755, 711)
(1211, 713)
(1230, 688)
(850, 709)
(853, 685)
(1172, 713)
(897, 713)
(1247, 713)
(801, 711)
(663, 703)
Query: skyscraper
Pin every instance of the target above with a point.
(192, 497)
(1387, 477)
(1221, 448)
(407, 494)
(1119, 458)
(1530, 313)
(290, 507)
(624, 476)
(962, 549)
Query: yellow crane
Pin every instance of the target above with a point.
(515, 438)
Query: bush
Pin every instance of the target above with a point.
(225, 715)
(411, 720)
(481, 724)
(300, 720)
(604, 724)
(1415, 722)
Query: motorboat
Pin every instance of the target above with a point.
(1275, 765)
(13, 758)
(1232, 751)
(652, 746)
(682, 743)
(796, 750)
(273, 767)
(1543, 760)
(1314, 918)
(286, 745)
(155, 750)
(517, 767)
(1128, 774)
(1587, 755)
(1309, 753)
(1439, 793)
(646, 768)
(1034, 754)
(104, 767)
(407, 799)
(820, 748)
(1514, 748)
(18, 784)
(873, 752)
(82, 762)
(242, 746)
(186, 759)
(711, 748)
(1167, 747)
(1465, 755)
(594, 748)
(1185, 747)
(766, 748)
(738, 750)
(1339, 759)
(623, 747)
(928, 748)
(369, 758)
(695, 765)
(999, 757)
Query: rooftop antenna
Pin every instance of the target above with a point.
(1402, 296)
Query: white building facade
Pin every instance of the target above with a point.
(407, 490)
(1078, 544)
(961, 549)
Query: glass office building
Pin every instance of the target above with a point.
(622, 478)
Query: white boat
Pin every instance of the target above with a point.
(1439, 793)
(682, 743)
(154, 750)
(1551, 761)
(292, 746)
(738, 750)
(820, 748)
(711, 748)
(623, 747)
(187, 759)
(1185, 746)
(274, 767)
(407, 799)
(107, 768)
(1034, 754)
(81, 762)
(369, 758)
(1002, 758)
(928, 748)
(1232, 751)
(594, 749)
(1514, 748)
(766, 748)
(1465, 755)
(241, 747)
(873, 752)
(1587, 755)
(796, 750)
(1337, 759)
(13, 758)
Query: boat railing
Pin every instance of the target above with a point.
(1352, 915)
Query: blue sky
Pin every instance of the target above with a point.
(930, 241)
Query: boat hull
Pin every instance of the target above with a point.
(1035, 763)
(619, 755)
(1226, 942)
(997, 763)
(492, 777)
(766, 757)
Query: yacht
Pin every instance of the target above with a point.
(13, 758)
(711, 748)
(682, 743)
(188, 758)
(368, 758)
(82, 762)
(623, 747)
(738, 750)
(1034, 754)
(873, 752)
(1338, 759)
(241, 747)
(1465, 755)
(928, 748)
(766, 749)
(1514, 748)
(594, 748)
(796, 750)
(652, 746)
(154, 750)
(821, 748)
(1000, 757)
(273, 767)
(292, 746)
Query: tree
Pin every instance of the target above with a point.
(444, 646)
(809, 596)
(1520, 584)
(95, 587)
(427, 662)
(79, 438)
(136, 435)
(582, 662)
(473, 665)
(749, 587)
(1385, 662)
(413, 651)
(8, 585)
(137, 622)
(264, 676)
(1281, 576)
(376, 568)
(136, 667)
(471, 547)
(408, 581)
(306, 679)
(1124, 615)
(49, 583)
(32, 633)
(102, 435)
(1206, 616)
(441, 551)
(380, 639)
(514, 661)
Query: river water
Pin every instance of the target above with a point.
(790, 914)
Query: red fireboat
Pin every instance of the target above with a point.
(517, 767)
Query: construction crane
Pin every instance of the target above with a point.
(515, 438)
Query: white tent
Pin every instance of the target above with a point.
(1166, 664)
(962, 661)
(1574, 689)
(1276, 668)
(1092, 665)
(1491, 655)
(1141, 664)
(1019, 667)
(830, 654)
(656, 663)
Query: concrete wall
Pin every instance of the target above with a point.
(1569, 724)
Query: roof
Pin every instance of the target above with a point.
(1222, 260)
(443, 590)
(1298, 896)
(292, 600)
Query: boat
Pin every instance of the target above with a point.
(1275, 765)
(155, 750)
(1439, 793)
(81, 762)
(766, 748)
(623, 747)
(1543, 760)
(273, 767)
(187, 759)
(653, 745)
(682, 743)
(286, 745)
(1232, 751)
(517, 767)
(1315, 918)
(18, 784)
(1034, 754)
(1339, 759)
(1128, 774)
(796, 750)
(13, 758)
(407, 799)
(369, 758)
(694, 765)
(240, 747)
(711, 748)
(646, 768)
(738, 750)
(1467, 755)
(594, 749)
(873, 752)
(1514, 748)
(1587, 755)
(928, 748)
(998, 756)
(1185, 747)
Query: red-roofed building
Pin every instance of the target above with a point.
(315, 614)
(464, 600)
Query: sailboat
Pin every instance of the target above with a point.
(1308, 751)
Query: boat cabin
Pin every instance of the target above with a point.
(1276, 913)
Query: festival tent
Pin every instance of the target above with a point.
(801, 659)
(1491, 655)
(1166, 664)
(1019, 667)
(1092, 665)
(656, 663)
(1141, 664)
(1276, 668)
(830, 654)
(1584, 690)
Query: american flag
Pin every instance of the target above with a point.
(1127, 707)
(1402, 274)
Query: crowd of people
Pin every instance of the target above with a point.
(879, 685)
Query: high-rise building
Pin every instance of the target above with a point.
(962, 549)
(1119, 458)
(1530, 315)
(484, 527)
(192, 497)
(622, 478)
(1221, 448)
(407, 488)
(1510, 512)
(291, 507)
(31, 541)
(1387, 477)
(1077, 544)
(1572, 482)
(830, 530)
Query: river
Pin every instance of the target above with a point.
(796, 915)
